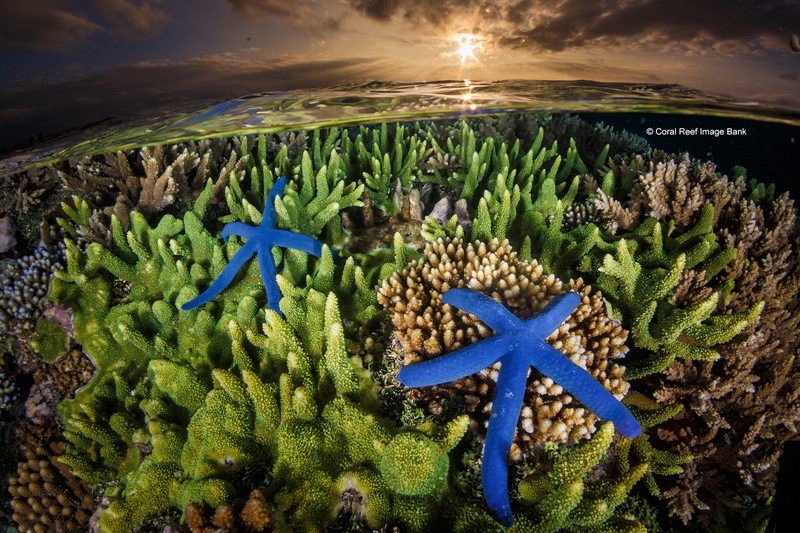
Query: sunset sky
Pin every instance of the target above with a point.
(68, 62)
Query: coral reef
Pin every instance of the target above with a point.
(427, 329)
(690, 275)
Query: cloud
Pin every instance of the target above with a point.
(133, 20)
(689, 26)
(303, 15)
(62, 25)
(50, 25)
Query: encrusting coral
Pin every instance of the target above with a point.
(427, 329)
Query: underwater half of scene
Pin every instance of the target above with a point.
(534, 322)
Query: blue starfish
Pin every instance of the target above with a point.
(517, 345)
(260, 240)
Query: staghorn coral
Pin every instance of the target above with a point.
(261, 240)
(567, 498)
(738, 415)
(427, 329)
(20, 194)
(311, 210)
(148, 180)
(383, 166)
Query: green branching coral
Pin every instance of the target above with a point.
(565, 499)
(644, 271)
(383, 166)
(318, 192)
(185, 400)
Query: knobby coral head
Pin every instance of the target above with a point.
(260, 240)
(517, 345)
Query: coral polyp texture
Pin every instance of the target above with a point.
(428, 328)
(23, 287)
(215, 404)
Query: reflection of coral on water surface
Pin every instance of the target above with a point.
(130, 410)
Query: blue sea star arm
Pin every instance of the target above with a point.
(296, 241)
(225, 277)
(491, 312)
(266, 265)
(585, 388)
(239, 229)
(454, 365)
(269, 217)
(554, 314)
(506, 408)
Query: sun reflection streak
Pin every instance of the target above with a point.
(466, 98)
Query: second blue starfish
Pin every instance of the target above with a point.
(517, 345)
(260, 240)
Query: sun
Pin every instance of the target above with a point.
(467, 46)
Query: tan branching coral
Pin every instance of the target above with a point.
(426, 328)
(150, 179)
(21, 193)
(669, 186)
(252, 516)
